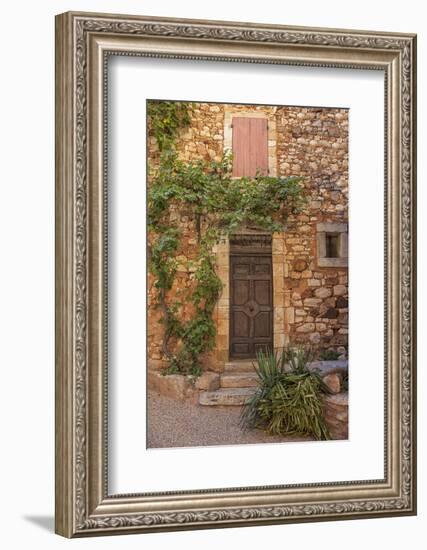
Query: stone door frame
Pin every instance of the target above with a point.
(222, 308)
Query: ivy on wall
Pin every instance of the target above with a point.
(217, 205)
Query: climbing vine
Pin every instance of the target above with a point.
(166, 120)
(217, 205)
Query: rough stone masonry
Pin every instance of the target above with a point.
(310, 288)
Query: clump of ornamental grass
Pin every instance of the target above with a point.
(288, 399)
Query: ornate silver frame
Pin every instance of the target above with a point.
(83, 505)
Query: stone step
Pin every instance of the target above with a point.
(226, 396)
(239, 366)
(239, 380)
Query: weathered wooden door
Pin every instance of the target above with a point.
(251, 305)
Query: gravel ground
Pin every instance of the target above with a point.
(174, 423)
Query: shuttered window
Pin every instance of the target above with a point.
(250, 147)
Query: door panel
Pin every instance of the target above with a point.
(262, 292)
(241, 291)
(262, 325)
(251, 303)
(241, 323)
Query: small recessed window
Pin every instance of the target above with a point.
(332, 242)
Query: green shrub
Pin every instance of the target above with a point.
(289, 397)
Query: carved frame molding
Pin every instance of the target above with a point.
(83, 43)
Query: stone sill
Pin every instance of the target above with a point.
(332, 262)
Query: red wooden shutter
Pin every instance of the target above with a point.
(250, 152)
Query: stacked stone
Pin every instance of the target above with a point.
(336, 415)
(203, 140)
(311, 302)
(313, 143)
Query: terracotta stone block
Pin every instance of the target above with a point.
(322, 292)
(223, 327)
(221, 357)
(342, 302)
(340, 290)
(278, 284)
(222, 341)
(333, 381)
(223, 273)
(315, 338)
(223, 313)
(290, 314)
(278, 270)
(300, 265)
(277, 246)
(312, 302)
(175, 386)
(278, 258)
(208, 381)
(306, 327)
(279, 340)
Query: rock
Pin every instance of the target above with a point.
(208, 381)
(234, 367)
(340, 290)
(343, 317)
(226, 396)
(307, 293)
(315, 338)
(300, 265)
(329, 367)
(289, 315)
(331, 313)
(156, 364)
(322, 292)
(336, 415)
(175, 386)
(342, 303)
(333, 381)
(239, 380)
(306, 327)
(312, 302)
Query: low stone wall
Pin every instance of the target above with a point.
(177, 386)
(174, 386)
(336, 415)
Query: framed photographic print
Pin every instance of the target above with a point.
(235, 274)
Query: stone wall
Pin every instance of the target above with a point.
(314, 143)
(310, 302)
